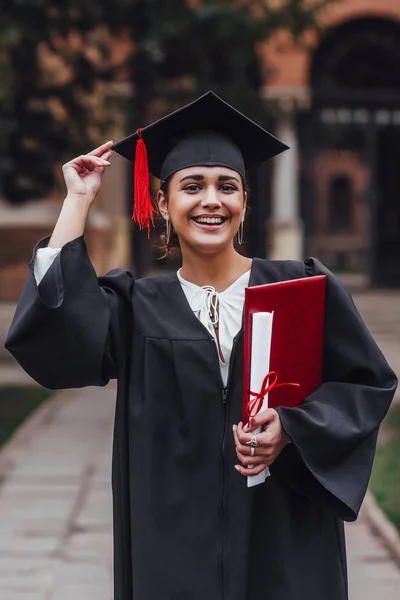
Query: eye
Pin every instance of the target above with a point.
(227, 187)
(192, 187)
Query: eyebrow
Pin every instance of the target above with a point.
(201, 178)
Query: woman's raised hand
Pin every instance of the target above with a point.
(83, 174)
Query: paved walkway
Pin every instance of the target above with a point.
(55, 503)
(55, 507)
(372, 573)
(381, 312)
(55, 495)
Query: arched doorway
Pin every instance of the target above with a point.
(351, 145)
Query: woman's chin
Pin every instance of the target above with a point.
(209, 244)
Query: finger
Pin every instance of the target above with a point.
(86, 158)
(107, 155)
(241, 436)
(79, 168)
(250, 460)
(101, 149)
(235, 434)
(246, 450)
(87, 162)
(254, 471)
(242, 446)
(263, 418)
(244, 437)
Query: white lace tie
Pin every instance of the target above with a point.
(218, 308)
(208, 299)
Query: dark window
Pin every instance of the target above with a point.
(340, 199)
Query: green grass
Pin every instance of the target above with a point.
(385, 480)
(16, 404)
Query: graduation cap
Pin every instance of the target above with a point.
(206, 132)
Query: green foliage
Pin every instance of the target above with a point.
(56, 59)
(213, 45)
(53, 59)
(385, 479)
(16, 404)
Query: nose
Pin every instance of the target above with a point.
(210, 199)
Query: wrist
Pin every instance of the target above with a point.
(79, 202)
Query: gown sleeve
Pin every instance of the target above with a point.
(71, 330)
(334, 432)
(43, 261)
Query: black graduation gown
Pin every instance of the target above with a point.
(185, 524)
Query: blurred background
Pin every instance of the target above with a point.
(322, 75)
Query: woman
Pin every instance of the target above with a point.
(186, 526)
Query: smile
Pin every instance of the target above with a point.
(209, 221)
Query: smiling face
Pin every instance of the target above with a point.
(205, 206)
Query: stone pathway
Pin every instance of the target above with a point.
(372, 574)
(12, 374)
(55, 507)
(381, 312)
(55, 504)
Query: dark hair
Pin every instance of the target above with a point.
(172, 248)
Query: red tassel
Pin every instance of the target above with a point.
(143, 204)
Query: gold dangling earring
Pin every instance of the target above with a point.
(240, 233)
(167, 229)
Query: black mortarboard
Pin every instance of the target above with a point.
(206, 132)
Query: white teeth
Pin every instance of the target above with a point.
(210, 220)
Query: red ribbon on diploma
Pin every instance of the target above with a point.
(267, 386)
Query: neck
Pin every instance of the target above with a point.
(219, 270)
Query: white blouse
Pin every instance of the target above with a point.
(224, 309)
(204, 300)
(43, 261)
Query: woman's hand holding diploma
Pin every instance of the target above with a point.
(83, 176)
(272, 441)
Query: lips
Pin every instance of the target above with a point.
(209, 221)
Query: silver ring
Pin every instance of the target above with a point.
(252, 451)
(253, 442)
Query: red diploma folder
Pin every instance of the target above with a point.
(296, 343)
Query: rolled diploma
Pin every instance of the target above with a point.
(261, 336)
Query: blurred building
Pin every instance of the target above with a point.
(335, 195)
